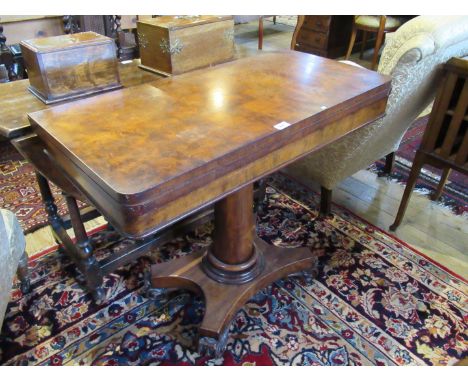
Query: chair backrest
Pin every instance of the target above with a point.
(413, 56)
(446, 135)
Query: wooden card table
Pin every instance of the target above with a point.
(151, 155)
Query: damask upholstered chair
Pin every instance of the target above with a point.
(413, 56)
(13, 258)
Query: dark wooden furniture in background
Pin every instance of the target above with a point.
(325, 36)
(10, 60)
(107, 25)
(445, 141)
(169, 153)
(26, 27)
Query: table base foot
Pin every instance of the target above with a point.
(222, 300)
(211, 346)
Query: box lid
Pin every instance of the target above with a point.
(67, 41)
(184, 21)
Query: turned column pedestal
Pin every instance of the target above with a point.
(232, 270)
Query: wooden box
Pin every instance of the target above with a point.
(177, 44)
(70, 66)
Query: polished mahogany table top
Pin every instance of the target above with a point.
(149, 154)
(16, 101)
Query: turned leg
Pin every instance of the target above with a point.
(260, 33)
(89, 265)
(389, 163)
(325, 202)
(237, 265)
(364, 42)
(413, 177)
(233, 257)
(49, 204)
(82, 252)
(23, 273)
(351, 42)
(443, 179)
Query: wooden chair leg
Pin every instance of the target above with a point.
(260, 33)
(389, 163)
(364, 42)
(443, 179)
(378, 43)
(23, 273)
(300, 22)
(351, 42)
(413, 177)
(325, 202)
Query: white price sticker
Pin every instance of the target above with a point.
(281, 125)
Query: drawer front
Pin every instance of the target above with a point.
(317, 23)
(314, 39)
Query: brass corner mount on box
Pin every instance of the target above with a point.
(177, 44)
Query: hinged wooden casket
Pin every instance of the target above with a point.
(70, 66)
(178, 44)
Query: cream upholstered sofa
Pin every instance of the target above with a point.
(13, 258)
(412, 56)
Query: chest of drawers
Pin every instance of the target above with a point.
(325, 36)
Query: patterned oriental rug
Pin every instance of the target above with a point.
(455, 195)
(376, 301)
(19, 191)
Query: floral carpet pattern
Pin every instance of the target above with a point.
(455, 195)
(375, 301)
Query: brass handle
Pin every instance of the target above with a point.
(171, 48)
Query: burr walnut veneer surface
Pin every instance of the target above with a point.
(151, 154)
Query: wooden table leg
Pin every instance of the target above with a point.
(81, 254)
(89, 266)
(260, 33)
(50, 207)
(237, 265)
